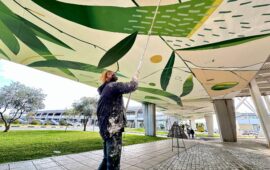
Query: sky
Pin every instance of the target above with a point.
(61, 92)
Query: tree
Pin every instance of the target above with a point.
(18, 99)
(69, 113)
(30, 117)
(86, 106)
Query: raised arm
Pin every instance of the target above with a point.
(123, 88)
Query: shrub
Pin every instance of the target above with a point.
(48, 122)
(35, 122)
(62, 122)
(16, 122)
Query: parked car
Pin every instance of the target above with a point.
(22, 121)
(77, 124)
(250, 132)
(42, 122)
(53, 122)
(68, 123)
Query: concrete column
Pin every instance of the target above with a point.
(209, 123)
(261, 109)
(192, 123)
(261, 133)
(149, 111)
(136, 119)
(47, 115)
(267, 101)
(226, 119)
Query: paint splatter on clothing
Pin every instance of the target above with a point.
(112, 153)
(110, 110)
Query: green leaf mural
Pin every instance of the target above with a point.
(167, 72)
(2, 52)
(117, 51)
(44, 35)
(227, 43)
(152, 84)
(12, 24)
(26, 35)
(224, 85)
(152, 98)
(188, 86)
(69, 65)
(6, 14)
(162, 93)
(9, 39)
(172, 20)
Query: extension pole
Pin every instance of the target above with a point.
(144, 51)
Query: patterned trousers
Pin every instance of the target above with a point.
(112, 153)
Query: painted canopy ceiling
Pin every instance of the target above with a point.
(198, 50)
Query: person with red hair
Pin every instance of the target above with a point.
(111, 119)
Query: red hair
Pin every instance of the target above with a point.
(104, 75)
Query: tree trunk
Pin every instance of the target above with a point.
(94, 124)
(7, 127)
(66, 128)
(85, 121)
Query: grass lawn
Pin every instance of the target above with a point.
(26, 145)
(201, 134)
(141, 130)
(138, 130)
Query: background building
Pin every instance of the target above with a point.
(248, 123)
(134, 116)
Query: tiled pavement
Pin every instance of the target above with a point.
(158, 155)
(135, 157)
(208, 157)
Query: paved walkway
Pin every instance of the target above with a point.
(245, 154)
(210, 157)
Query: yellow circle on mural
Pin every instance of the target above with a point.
(156, 59)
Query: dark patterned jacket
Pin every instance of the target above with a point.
(110, 109)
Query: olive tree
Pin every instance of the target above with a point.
(16, 99)
(86, 107)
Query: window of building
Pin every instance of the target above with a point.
(57, 114)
